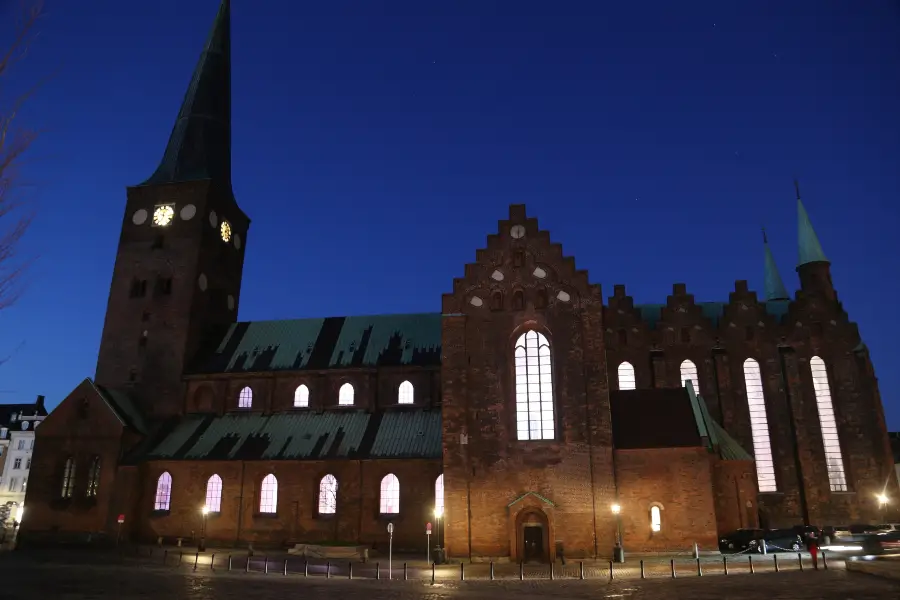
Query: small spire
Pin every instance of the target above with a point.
(807, 241)
(200, 144)
(775, 289)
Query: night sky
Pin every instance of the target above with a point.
(376, 144)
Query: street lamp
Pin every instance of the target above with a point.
(438, 516)
(202, 546)
(882, 502)
(618, 551)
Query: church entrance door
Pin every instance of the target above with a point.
(534, 543)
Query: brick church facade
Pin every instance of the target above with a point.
(514, 419)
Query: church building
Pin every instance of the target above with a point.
(527, 418)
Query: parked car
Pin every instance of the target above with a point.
(776, 540)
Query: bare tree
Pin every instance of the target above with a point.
(14, 142)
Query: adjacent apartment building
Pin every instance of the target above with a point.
(17, 425)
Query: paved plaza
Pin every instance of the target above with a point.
(30, 578)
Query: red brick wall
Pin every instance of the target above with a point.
(679, 481)
(734, 484)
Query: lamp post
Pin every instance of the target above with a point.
(202, 546)
(618, 550)
(438, 522)
(882, 502)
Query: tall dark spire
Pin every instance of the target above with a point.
(810, 250)
(200, 144)
(775, 289)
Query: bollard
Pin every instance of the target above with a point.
(247, 566)
(266, 565)
(611, 572)
(750, 560)
(306, 568)
(725, 564)
(775, 560)
(824, 562)
(229, 562)
(462, 571)
(800, 560)
(492, 570)
(551, 571)
(328, 569)
(349, 570)
(581, 569)
(432, 573)
(673, 568)
(196, 560)
(377, 570)
(212, 562)
(699, 569)
(285, 566)
(521, 571)
(180, 556)
(405, 572)
(642, 568)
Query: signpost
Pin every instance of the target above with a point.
(119, 521)
(427, 542)
(390, 529)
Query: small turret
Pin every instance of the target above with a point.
(774, 286)
(813, 268)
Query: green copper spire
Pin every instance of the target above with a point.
(775, 289)
(200, 144)
(808, 241)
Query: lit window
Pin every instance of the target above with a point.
(94, 477)
(301, 396)
(245, 398)
(626, 377)
(759, 427)
(439, 495)
(345, 395)
(390, 495)
(13, 484)
(268, 494)
(17, 464)
(24, 485)
(163, 492)
(834, 462)
(214, 494)
(655, 518)
(534, 388)
(68, 478)
(405, 395)
(689, 372)
(328, 488)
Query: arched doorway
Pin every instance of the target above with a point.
(532, 536)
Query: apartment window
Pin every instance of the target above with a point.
(214, 494)
(759, 427)
(689, 373)
(390, 495)
(21, 445)
(328, 488)
(626, 376)
(268, 495)
(163, 492)
(17, 464)
(24, 485)
(345, 395)
(834, 462)
(245, 398)
(405, 393)
(534, 388)
(655, 518)
(94, 477)
(301, 396)
(27, 463)
(13, 483)
(68, 478)
(439, 496)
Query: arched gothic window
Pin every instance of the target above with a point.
(163, 492)
(626, 376)
(405, 393)
(655, 518)
(268, 494)
(439, 496)
(328, 489)
(759, 427)
(345, 395)
(834, 461)
(214, 494)
(245, 398)
(534, 388)
(390, 495)
(689, 372)
(93, 478)
(301, 396)
(68, 479)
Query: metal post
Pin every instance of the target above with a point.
(611, 572)
(212, 562)
(391, 552)
(750, 560)
(492, 570)
(247, 566)
(581, 569)
(165, 556)
(521, 571)
(551, 571)
(266, 565)
(285, 567)
(699, 569)
(229, 562)
(673, 568)
(306, 568)
(432, 573)
(824, 562)
(328, 569)
(642, 568)
(377, 570)
(180, 556)
(800, 560)
(350, 570)
(725, 564)
(196, 560)
(462, 571)
(775, 560)
(405, 572)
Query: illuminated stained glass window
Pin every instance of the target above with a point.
(390, 494)
(328, 489)
(834, 461)
(93, 477)
(268, 494)
(759, 427)
(68, 479)
(214, 494)
(245, 398)
(534, 388)
(439, 495)
(626, 376)
(163, 492)
(345, 395)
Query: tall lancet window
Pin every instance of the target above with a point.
(834, 462)
(759, 427)
(534, 388)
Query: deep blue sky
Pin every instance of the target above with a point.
(375, 148)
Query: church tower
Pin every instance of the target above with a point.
(177, 276)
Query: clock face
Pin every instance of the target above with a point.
(225, 231)
(517, 232)
(163, 215)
